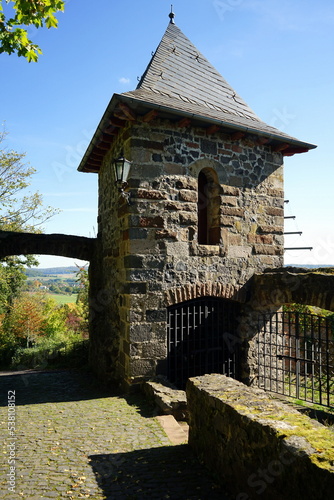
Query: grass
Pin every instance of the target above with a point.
(63, 299)
(309, 390)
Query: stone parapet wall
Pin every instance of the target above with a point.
(257, 446)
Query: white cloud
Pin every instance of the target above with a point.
(124, 80)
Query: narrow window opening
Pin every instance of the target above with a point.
(208, 208)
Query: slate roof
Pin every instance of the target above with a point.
(180, 72)
(179, 81)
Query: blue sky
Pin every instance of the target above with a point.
(277, 54)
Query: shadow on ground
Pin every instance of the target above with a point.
(168, 472)
(36, 387)
(51, 387)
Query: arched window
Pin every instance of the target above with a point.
(208, 207)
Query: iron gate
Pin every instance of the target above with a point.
(202, 338)
(296, 356)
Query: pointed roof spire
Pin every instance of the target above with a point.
(180, 83)
(171, 15)
(178, 72)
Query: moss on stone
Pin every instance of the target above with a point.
(318, 436)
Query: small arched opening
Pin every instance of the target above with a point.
(208, 207)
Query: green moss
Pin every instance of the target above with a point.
(320, 438)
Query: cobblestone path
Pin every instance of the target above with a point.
(72, 440)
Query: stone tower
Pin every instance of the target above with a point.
(205, 214)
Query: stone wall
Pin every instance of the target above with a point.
(258, 447)
(150, 248)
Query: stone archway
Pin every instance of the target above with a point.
(312, 287)
(12, 243)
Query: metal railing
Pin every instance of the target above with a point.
(296, 356)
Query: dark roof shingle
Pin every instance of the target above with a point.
(180, 81)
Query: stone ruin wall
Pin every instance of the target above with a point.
(149, 250)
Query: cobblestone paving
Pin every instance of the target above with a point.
(72, 440)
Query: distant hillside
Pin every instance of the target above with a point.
(50, 271)
(310, 266)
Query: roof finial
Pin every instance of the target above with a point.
(171, 15)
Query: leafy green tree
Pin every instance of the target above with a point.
(83, 293)
(26, 319)
(23, 14)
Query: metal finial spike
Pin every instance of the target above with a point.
(171, 15)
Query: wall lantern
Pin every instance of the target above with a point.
(122, 169)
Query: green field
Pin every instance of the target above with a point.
(63, 299)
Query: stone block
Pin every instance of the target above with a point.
(188, 218)
(232, 211)
(142, 368)
(134, 288)
(208, 147)
(227, 221)
(141, 332)
(238, 251)
(146, 144)
(157, 221)
(133, 261)
(267, 250)
(134, 233)
(168, 399)
(173, 169)
(186, 183)
(265, 239)
(234, 239)
(150, 194)
(271, 229)
(187, 195)
(154, 350)
(229, 201)
(166, 234)
(145, 275)
(276, 212)
(156, 315)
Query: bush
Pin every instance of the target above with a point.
(52, 354)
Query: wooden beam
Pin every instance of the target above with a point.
(95, 163)
(213, 129)
(150, 116)
(280, 147)
(91, 169)
(237, 135)
(110, 131)
(185, 122)
(97, 156)
(104, 146)
(293, 151)
(116, 122)
(130, 115)
(262, 140)
(119, 114)
(106, 138)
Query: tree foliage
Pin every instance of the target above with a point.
(83, 294)
(22, 15)
(26, 319)
(36, 328)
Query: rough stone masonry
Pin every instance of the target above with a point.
(150, 256)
